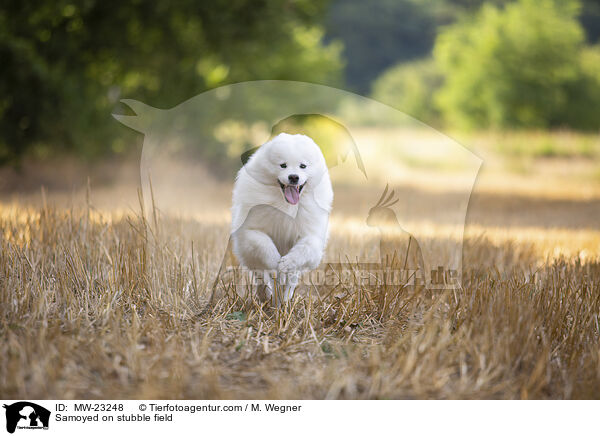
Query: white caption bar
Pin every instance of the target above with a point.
(21, 417)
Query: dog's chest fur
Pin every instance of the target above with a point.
(283, 228)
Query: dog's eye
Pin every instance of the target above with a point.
(283, 165)
(302, 166)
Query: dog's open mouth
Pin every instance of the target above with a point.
(291, 192)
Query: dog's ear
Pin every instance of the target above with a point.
(245, 157)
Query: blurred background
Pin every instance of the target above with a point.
(453, 64)
(517, 82)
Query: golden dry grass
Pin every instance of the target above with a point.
(98, 301)
(99, 304)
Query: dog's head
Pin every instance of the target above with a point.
(291, 162)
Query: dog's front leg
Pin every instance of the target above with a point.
(265, 284)
(306, 254)
(286, 285)
(256, 249)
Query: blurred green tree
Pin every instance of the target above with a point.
(583, 110)
(410, 87)
(66, 63)
(513, 67)
(379, 34)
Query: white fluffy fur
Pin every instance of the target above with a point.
(270, 234)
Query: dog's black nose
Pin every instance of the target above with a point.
(293, 178)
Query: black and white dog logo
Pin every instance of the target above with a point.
(26, 415)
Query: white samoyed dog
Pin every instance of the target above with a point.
(280, 213)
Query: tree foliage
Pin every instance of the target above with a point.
(410, 87)
(379, 34)
(66, 63)
(514, 67)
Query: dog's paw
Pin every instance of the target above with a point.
(286, 265)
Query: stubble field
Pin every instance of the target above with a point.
(99, 302)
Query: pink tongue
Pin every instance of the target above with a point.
(291, 194)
